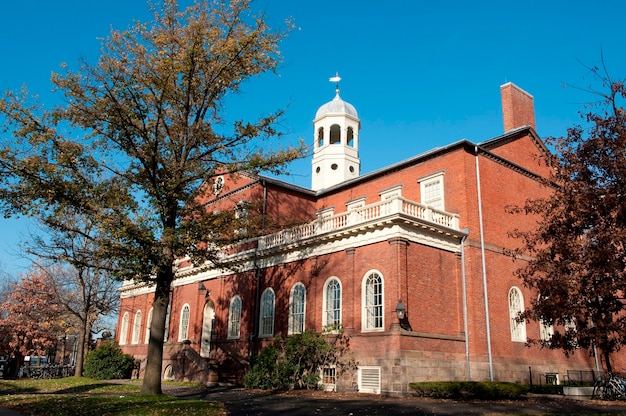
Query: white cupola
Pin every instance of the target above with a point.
(336, 138)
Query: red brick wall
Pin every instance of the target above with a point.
(517, 107)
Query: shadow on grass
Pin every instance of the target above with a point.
(91, 388)
(135, 404)
(8, 387)
(61, 386)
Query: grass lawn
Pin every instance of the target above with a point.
(83, 396)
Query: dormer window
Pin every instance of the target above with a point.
(241, 215)
(392, 192)
(431, 189)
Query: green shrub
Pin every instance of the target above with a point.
(464, 390)
(108, 362)
(295, 362)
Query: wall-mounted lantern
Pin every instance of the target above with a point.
(400, 311)
(202, 288)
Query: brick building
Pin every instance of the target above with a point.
(428, 234)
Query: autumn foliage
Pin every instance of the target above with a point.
(137, 136)
(32, 319)
(578, 251)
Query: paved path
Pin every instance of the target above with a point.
(7, 412)
(243, 402)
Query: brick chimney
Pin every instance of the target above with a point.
(518, 109)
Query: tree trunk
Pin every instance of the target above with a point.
(607, 360)
(154, 365)
(81, 342)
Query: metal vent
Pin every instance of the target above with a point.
(369, 380)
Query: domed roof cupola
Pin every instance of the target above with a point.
(336, 106)
(335, 154)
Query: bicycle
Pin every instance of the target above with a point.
(609, 388)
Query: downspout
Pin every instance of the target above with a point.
(465, 319)
(257, 271)
(484, 266)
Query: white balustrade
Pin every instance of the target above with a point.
(354, 217)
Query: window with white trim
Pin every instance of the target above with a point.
(183, 329)
(431, 190)
(266, 324)
(328, 378)
(136, 328)
(234, 318)
(124, 328)
(516, 306)
(297, 307)
(545, 331)
(208, 321)
(331, 316)
(241, 215)
(168, 316)
(148, 324)
(168, 374)
(391, 192)
(570, 331)
(373, 313)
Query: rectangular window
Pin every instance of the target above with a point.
(328, 378)
(431, 188)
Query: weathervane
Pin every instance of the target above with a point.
(336, 80)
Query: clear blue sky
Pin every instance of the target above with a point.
(421, 74)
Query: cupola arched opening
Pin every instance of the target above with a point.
(320, 137)
(335, 134)
(350, 137)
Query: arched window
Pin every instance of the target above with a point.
(168, 374)
(546, 328)
(373, 302)
(545, 331)
(320, 137)
(168, 316)
(266, 324)
(136, 328)
(208, 320)
(350, 137)
(516, 306)
(335, 134)
(124, 328)
(234, 318)
(148, 324)
(297, 306)
(183, 328)
(331, 316)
